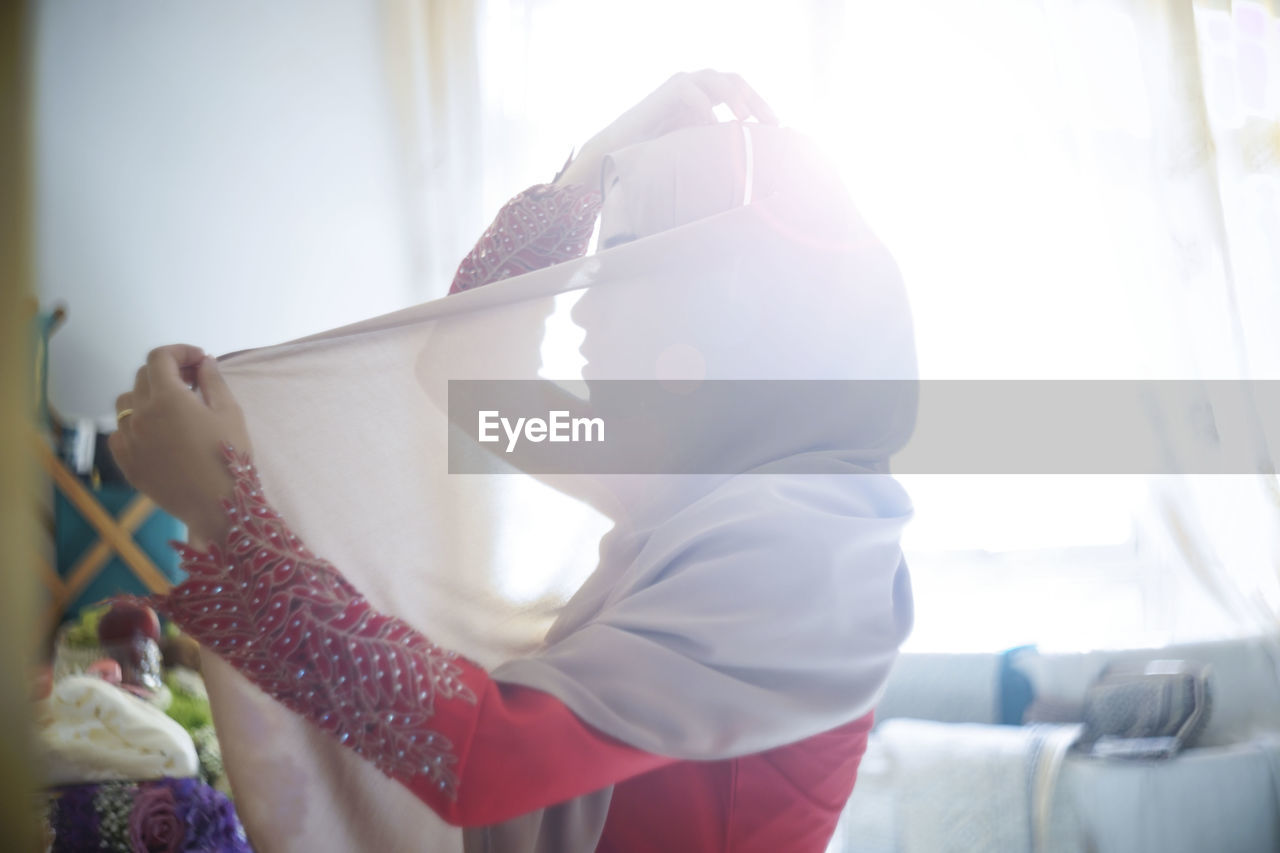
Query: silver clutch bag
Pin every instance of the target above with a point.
(1148, 710)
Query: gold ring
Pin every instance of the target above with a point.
(122, 414)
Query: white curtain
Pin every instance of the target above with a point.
(1219, 176)
(432, 69)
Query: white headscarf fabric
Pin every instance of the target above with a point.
(722, 614)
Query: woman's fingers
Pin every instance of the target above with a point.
(168, 447)
(124, 403)
(690, 98)
(212, 386)
(734, 92)
(687, 99)
(727, 89)
(690, 106)
(141, 384)
(760, 109)
(172, 365)
(120, 453)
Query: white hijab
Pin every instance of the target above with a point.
(724, 613)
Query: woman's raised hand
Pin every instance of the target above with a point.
(686, 100)
(168, 444)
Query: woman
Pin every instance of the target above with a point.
(710, 686)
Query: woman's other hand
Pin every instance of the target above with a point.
(687, 99)
(169, 439)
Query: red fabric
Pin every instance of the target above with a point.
(527, 751)
(530, 751)
(788, 798)
(544, 225)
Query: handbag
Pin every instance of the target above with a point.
(1146, 710)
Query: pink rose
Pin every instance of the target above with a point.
(108, 669)
(154, 825)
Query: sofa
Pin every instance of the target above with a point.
(951, 765)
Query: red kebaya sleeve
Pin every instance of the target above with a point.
(544, 225)
(476, 751)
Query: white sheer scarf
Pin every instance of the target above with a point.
(721, 615)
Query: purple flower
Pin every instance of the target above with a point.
(211, 819)
(154, 824)
(74, 820)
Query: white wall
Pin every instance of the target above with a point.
(222, 174)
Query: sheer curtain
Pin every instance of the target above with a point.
(432, 66)
(1073, 190)
(1221, 179)
(1087, 192)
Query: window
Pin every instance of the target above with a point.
(998, 151)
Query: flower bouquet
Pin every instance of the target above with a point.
(157, 816)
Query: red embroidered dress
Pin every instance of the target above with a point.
(475, 750)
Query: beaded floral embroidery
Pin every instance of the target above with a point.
(543, 225)
(295, 627)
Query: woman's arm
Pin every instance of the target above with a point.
(476, 751)
(544, 225)
(551, 223)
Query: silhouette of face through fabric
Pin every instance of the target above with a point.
(738, 256)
